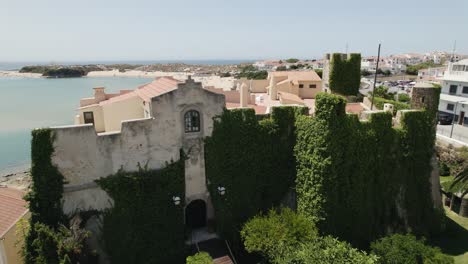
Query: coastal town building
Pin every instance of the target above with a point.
(454, 95)
(293, 84)
(431, 74)
(12, 209)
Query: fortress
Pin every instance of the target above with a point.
(177, 120)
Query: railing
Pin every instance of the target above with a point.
(230, 252)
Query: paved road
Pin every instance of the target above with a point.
(459, 132)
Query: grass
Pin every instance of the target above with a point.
(454, 240)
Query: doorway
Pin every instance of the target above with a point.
(462, 118)
(195, 214)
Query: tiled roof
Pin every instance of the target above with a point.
(298, 75)
(223, 260)
(155, 88)
(12, 208)
(259, 109)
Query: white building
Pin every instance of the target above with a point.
(454, 96)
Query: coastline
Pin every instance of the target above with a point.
(18, 178)
(19, 74)
(208, 80)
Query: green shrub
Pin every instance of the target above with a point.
(285, 236)
(404, 98)
(444, 169)
(406, 249)
(379, 103)
(276, 232)
(200, 258)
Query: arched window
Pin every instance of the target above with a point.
(192, 121)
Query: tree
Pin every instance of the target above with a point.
(387, 73)
(281, 68)
(319, 72)
(407, 249)
(404, 98)
(382, 92)
(200, 258)
(285, 236)
(275, 234)
(292, 60)
(365, 73)
(324, 250)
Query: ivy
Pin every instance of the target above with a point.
(359, 180)
(345, 75)
(46, 192)
(144, 225)
(44, 200)
(254, 161)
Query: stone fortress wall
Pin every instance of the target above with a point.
(82, 156)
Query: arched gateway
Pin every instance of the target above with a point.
(195, 214)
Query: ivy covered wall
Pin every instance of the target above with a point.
(345, 73)
(360, 180)
(144, 225)
(254, 161)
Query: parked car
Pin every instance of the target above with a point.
(445, 119)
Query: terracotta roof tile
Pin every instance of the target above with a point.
(259, 109)
(298, 75)
(12, 208)
(155, 88)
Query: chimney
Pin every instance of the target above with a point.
(244, 95)
(99, 94)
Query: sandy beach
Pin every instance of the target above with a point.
(207, 80)
(18, 180)
(19, 74)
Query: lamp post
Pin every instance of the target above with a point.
(176, 200)
(221, 190)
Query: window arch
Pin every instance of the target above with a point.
(192, 121)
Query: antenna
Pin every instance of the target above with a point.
(375, 78)
(452, 59)
(346, 48)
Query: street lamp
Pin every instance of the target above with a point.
(176, 200)
(221, 190)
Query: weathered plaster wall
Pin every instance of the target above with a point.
(115, 112)
(82, 156)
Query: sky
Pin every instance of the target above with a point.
(66, 30)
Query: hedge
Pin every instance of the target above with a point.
(379, 103)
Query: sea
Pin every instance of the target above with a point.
(28, 103)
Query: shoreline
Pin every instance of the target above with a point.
(208, 80)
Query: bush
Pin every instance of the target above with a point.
(379, 103)
(444, 169)
(285, 236)
(365, 73)
(292, 60)
(406, 249)
(276, 232)
(404, 98)
(200, 258)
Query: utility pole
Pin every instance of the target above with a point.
(453, 119)
(375, 78)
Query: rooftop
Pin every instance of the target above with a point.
(12, 208)
(298, 75)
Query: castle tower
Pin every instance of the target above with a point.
(426, 96)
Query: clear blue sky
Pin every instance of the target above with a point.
(66, 30)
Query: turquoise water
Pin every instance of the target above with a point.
(27, 103)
